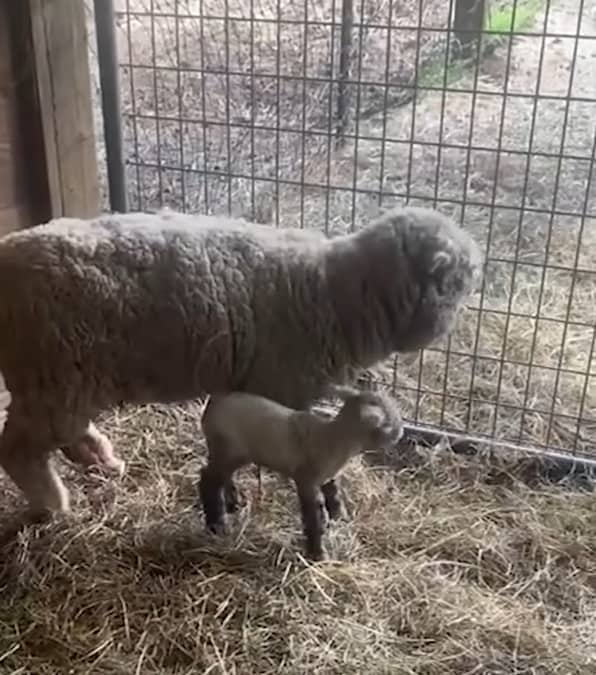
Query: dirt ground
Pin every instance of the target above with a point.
(447, 565)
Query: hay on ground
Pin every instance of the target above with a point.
(451, 566)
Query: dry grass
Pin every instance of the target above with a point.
(450, 566)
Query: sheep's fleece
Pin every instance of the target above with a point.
(166, 307)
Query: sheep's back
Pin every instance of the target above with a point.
(142, 307)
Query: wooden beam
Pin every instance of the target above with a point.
(24, 196)
(59, 42)
(12, 199)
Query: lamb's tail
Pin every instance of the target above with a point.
(5, 400)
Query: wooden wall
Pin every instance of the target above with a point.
(16, 201)
(48, 165)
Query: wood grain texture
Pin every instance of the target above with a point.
(14, 211)
(59, 40)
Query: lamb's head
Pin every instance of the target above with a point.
(410, 272)
(374, 417)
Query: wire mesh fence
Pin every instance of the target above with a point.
(320, 113)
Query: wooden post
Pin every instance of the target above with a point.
(59, 43)
(468, 22)
(24, 198)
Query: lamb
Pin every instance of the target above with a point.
(166, 307)
(242, 429)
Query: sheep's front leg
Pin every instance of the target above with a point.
(94, 449)
(31, 470)
(333, 500)
(312, 508)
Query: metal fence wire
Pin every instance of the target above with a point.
(319, 113)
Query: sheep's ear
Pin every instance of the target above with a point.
(373, 415)
(441, 261)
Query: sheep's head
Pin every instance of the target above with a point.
(442, 266)
(375, 416)
(403, 280)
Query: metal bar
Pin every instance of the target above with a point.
(413, 86)
(445, 145)
(356, 24)
(431, 434)
(107, 57)
(345, 56)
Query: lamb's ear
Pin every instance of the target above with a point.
(398, 433)
(341, 391)
(373, 415)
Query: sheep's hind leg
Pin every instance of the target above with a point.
(32, 472)
(312, 509)
(333, 500)
(94, 449)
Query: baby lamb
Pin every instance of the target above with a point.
(242, 428)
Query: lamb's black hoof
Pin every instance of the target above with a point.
(333, 501)
(315, 554)
(337, 511)
(217, 529)
(231, 497)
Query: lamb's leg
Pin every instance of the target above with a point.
(213, 499)
(32, 471)
(231, 497)
(312, 509)
(94, 449)
(333, 500)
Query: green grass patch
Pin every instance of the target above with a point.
(432, 74)
(502, 20)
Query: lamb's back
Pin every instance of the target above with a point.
(252, 429)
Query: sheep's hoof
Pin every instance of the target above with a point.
(43, 515)
(115, 466)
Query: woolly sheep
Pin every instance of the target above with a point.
(242, 429)
(166, 307)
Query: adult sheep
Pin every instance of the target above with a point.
(165, 307)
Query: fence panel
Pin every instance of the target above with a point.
(319, 113)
